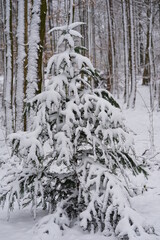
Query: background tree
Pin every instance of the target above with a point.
(35, 52)
(20, 80)
(9, 70)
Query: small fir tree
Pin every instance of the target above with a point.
(76, 157)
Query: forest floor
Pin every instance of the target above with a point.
(147, 202)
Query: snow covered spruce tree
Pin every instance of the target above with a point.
(76, 158)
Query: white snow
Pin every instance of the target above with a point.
(20, 225)
(147, 203)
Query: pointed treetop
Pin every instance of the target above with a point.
(66, 27)
(68, 33)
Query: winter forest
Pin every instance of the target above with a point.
(79, 119)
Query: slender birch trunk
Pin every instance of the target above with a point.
(9, 70)
(146, 71)
(3, 10)
(151, 81)
(89, 32)
(133, 76)
(151, 60)
(93, 34)
(19, 96)
(126, 91)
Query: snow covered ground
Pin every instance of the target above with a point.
(148, 203)
(21, 223)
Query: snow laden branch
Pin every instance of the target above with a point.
(77, 157)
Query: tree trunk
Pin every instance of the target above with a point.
(146, 71)
(43, 11)
(111, 52)
(151, 59)
(25, 60)
(132, 68)
(3, 14)
(126, 90)
(9, 70)
(19, 96)
(51, 24)
(93, 34)
(35, 54)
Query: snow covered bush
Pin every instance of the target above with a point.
(77, 156)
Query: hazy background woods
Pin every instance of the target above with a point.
(122, 39)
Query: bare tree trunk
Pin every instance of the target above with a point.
(151, 81)
(150, 59)
(89, 32)
(111, 51)
(83, 17)
(43, 11)
(146, 71)
(71, 11)
(1, 37)
(19, 95)
(9, 71)
(126, 91)
(51, 23)
(133, 77)
(3, 14)
(35, 54)
(25, 60)
(93, 34)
